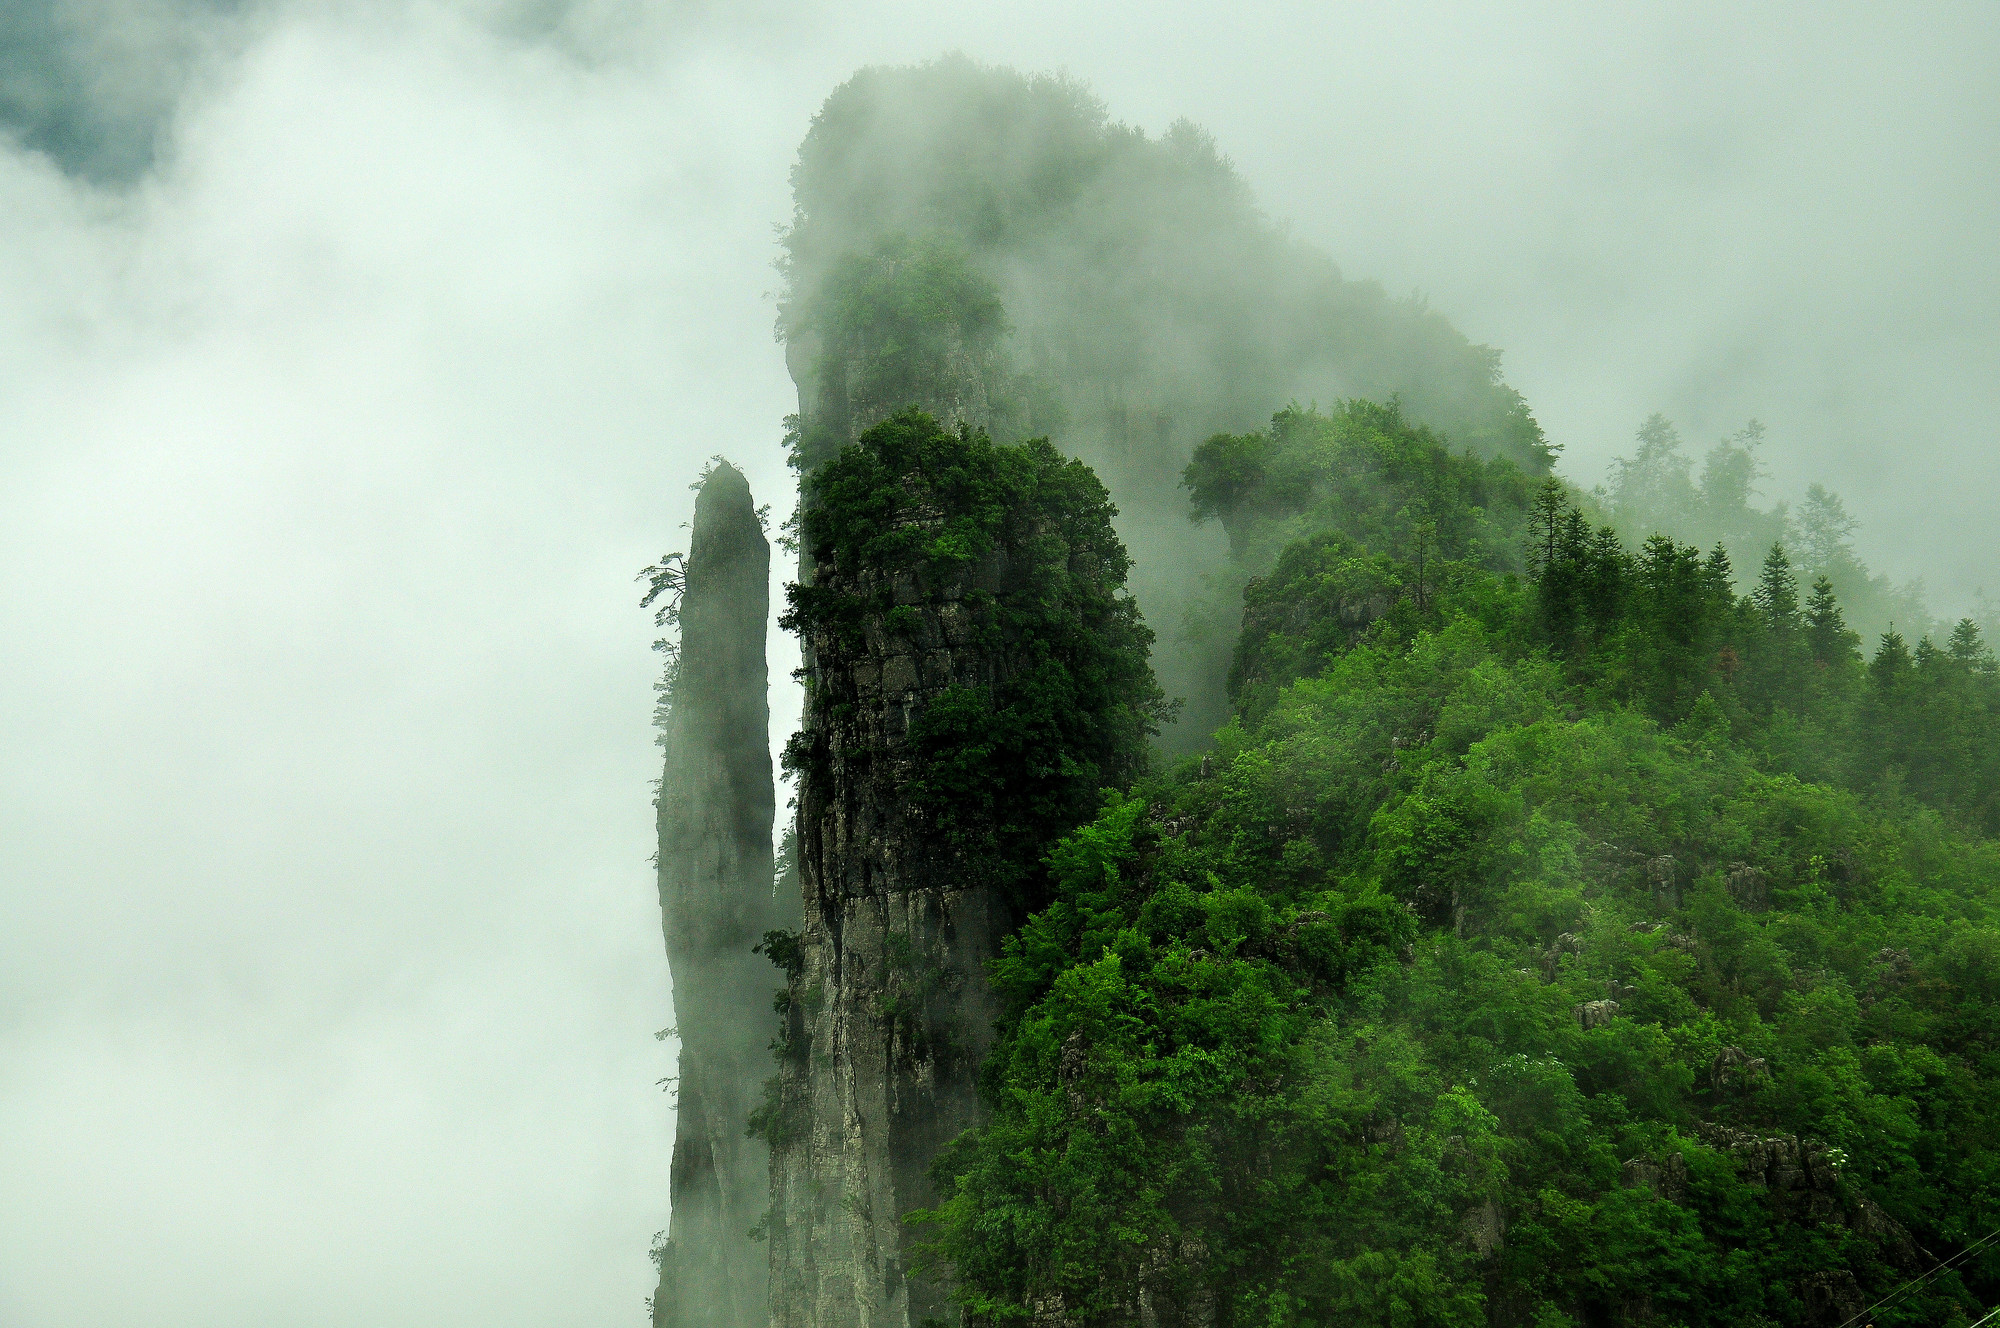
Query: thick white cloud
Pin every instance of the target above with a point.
(331, 967)
(331, 446)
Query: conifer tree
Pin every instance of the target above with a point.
(1777, 594)
(1545, 521)
(1780, 653)
(1886, 727)
(1609, 571)
(1968, 649)
(1891, 666)
(1827, 634)
(1718, 580)
(1675, 592)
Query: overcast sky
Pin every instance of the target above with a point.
(335, 429)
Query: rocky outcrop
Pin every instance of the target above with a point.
(1734, 1069)
(1802, 1182)
(952, 581)
(891, 1011)
(1749, 886)
(1320, 599)
(1800, 1178)
(1595, 1014)
(1568, 943)
(716, 808)
(965, 383)
(1667, 1178)
(906, 324)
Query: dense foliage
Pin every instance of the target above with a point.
(906, 321)
(1366, 470)
(1554, 934)
(1020, 537)
(1586, 945)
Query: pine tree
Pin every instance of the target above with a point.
(1827, 634)
(1610, 570)
(1887, 726)
(1891, 666)
(1545, 522)
(1718, 581)
(1966, 647)
(1779, 655)
(1777, 594)
(1675, 590)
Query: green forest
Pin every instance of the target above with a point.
(1587, 943)
(1561, 905)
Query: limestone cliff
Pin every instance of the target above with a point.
(975, 676)
(716, 808)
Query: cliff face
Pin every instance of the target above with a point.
(891, 1010)
(974, 679)
(715, 816)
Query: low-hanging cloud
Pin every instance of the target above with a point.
(340, 416)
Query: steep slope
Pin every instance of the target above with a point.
(1552, 935)
(1136, 303)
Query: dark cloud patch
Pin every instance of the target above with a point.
(93, 84)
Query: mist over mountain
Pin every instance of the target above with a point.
(360, 352)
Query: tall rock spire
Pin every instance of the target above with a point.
(716, 901)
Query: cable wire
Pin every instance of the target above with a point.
(1916, 1282)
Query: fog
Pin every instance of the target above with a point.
(361, 351)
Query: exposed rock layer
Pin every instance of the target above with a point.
(716, 900)
(891, 1009)
(975, 678)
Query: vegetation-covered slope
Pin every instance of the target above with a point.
(977, 677)
(1582, 946)
(1019, 536)
(1656, 491)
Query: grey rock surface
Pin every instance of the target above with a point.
(891, 1012)
(717, 900)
